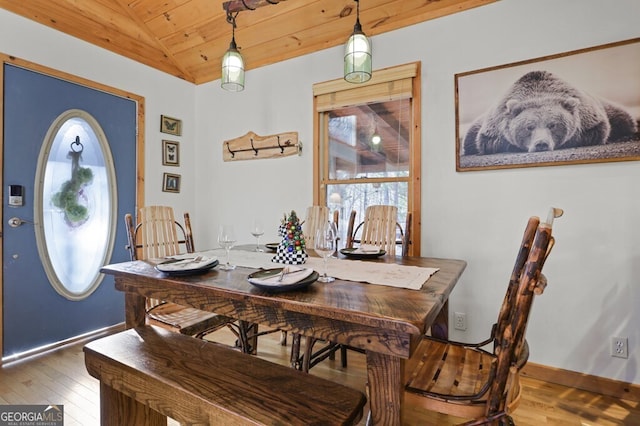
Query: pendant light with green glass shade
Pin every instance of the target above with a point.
(357, 54)
(232, 63)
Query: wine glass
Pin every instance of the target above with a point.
(334, 226)
(257, 230)
(325, 245)
(226, 240)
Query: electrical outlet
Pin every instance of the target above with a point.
(460, 321)
(620, 347)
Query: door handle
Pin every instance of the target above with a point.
(14, 222)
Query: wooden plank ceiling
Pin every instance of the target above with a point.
(187, 38)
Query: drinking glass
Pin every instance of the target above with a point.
(226, 240)
(325, 245)
(334, 226)
(257, 230)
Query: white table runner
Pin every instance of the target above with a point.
(389, 274)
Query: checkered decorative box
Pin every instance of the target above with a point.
(293, 257)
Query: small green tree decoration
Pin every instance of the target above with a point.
(293, 238)
(292, 248)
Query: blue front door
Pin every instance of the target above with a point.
(35, 313)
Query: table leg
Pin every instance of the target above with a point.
(385, 389)
(117, 409)
(440, 327)
(134, 310)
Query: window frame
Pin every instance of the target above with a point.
(386, 84)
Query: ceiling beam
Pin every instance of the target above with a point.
(240, 5)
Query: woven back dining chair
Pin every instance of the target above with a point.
(249, 333)
(158, 235)
(316, 216)
(481, 381)
(380, 227)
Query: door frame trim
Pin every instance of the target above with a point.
(140, 107)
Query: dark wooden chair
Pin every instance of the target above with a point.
(481, 381)
(156, 235)
(381, 228)
(315, 217)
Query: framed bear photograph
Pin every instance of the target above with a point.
(572, 108)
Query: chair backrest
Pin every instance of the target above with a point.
(315, 217)
(512, 288)
(526, 281)
(157, 234)
(380, 227)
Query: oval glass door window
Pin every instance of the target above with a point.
(75, 204)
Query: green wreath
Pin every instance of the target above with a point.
(68, 196)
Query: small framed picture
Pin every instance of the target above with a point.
(171, 182)
(170, 153)
(169, 125)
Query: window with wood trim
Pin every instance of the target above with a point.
(367, 145)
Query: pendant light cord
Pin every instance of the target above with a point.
(357, 28)
(231, 18)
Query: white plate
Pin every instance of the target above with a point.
(187, 264)
(262, 276)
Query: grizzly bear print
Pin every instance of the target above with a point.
(542, 112)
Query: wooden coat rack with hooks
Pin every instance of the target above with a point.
(253, 147)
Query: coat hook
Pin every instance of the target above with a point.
(233, 154)
(249, 146)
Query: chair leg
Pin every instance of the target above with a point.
(310, 358)
(308, 352)
(247, 337)
(252, 331)
(343, 355)
(203, 333)
(295, 351)
(498, 419)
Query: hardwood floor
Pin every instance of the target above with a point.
(59, 377)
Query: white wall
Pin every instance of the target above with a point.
(477, 216)
(163, 94)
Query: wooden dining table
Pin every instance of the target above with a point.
(384, 321)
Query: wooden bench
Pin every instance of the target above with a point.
(148, 373)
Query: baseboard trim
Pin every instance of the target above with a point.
(84, 337)
(595, 384)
